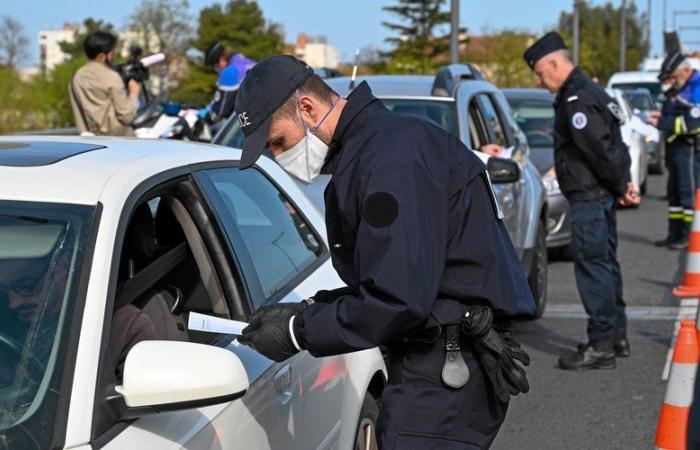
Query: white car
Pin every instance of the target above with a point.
(639, 153)
(107, 248)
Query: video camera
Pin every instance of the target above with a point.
(136, 68)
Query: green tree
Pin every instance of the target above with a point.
(240, 25)
(74, 48)
(500, 57)
(599, 46)
(417, 46)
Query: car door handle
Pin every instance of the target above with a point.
(283, 383)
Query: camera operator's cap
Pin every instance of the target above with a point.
(550, 42)
(670, 64)
(213, 53)
(265, 88)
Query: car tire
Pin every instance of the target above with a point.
(537, 279)
(643, 187)
(657, 168)
(365, 436)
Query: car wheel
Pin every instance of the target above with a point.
(643, 187)
(537, 279)
(657, 168)
(365, 436)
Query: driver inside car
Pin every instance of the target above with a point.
(36, 296)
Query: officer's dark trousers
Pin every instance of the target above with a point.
(420, 412)
(598, 275)
(680, 188)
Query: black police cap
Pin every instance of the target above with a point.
(213, 53)
(670, 64)
(265, 88)
(550, 42)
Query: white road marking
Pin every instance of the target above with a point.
(687, 310)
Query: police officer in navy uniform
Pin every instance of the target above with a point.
(682, 133)
(592, 165)
(415, 233)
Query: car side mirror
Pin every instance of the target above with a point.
(502, 170)
(174, 375)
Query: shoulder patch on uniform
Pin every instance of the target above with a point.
(579, 121)
(494, 200)
(380, 209)
(695, 112)
(616, 111)
(573, 98)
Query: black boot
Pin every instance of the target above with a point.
(594, 355)
(662, 242)
(620, 343)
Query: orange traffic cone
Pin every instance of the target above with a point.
(691, 281)
(673, 421)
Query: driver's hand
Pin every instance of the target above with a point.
(133, 87)
(492, 149)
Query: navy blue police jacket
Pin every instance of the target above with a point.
(413, 231)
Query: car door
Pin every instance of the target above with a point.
(267, 416)
(487, 123)
(282, 259)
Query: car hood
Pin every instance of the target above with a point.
(543, 158)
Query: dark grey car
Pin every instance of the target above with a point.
(534, 112)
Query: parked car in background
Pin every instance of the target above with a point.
(460, 101)
(533, 110)
(89, 227)
(633, 80)
(639, 152)
(643, 104)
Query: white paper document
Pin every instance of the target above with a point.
(211, 324)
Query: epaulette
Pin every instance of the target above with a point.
(573, 98)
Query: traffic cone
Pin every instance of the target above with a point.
(691, 281)
(671, 432)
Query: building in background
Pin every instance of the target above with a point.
(50, 54)
(315, 51)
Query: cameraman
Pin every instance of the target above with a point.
(100, 103)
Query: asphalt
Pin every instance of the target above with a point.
(613, 409)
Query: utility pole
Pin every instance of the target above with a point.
(623, 35)
(454, 33)
(665, 23)
(576, 32)
(649, 26)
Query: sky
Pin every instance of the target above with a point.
(348, 24)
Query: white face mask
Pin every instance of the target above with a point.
(305, 159)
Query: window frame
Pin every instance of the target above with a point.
(476, 116)
(481, 98)
(256, 291)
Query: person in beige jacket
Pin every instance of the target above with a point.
(101, 105)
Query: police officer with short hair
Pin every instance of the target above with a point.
(680, 123)
(592, 165)
(416, 234)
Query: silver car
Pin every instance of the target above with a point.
(459, 100)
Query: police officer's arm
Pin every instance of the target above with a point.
(225, 96)
(399, 257)
(592, 135)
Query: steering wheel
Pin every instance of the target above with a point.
(34, 365)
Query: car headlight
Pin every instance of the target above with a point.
(550, 182)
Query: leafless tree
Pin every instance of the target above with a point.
(162, 25)
(13, 42)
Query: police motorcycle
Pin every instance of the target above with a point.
(156, 118)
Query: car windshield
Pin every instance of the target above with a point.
(536, 119)
(640, 100)
(442, 112)
(42, 247)
(654, 88)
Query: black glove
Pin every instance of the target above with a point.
(497, 353)
(268, 331)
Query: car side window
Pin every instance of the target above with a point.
(493, 121)
(272, 241)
